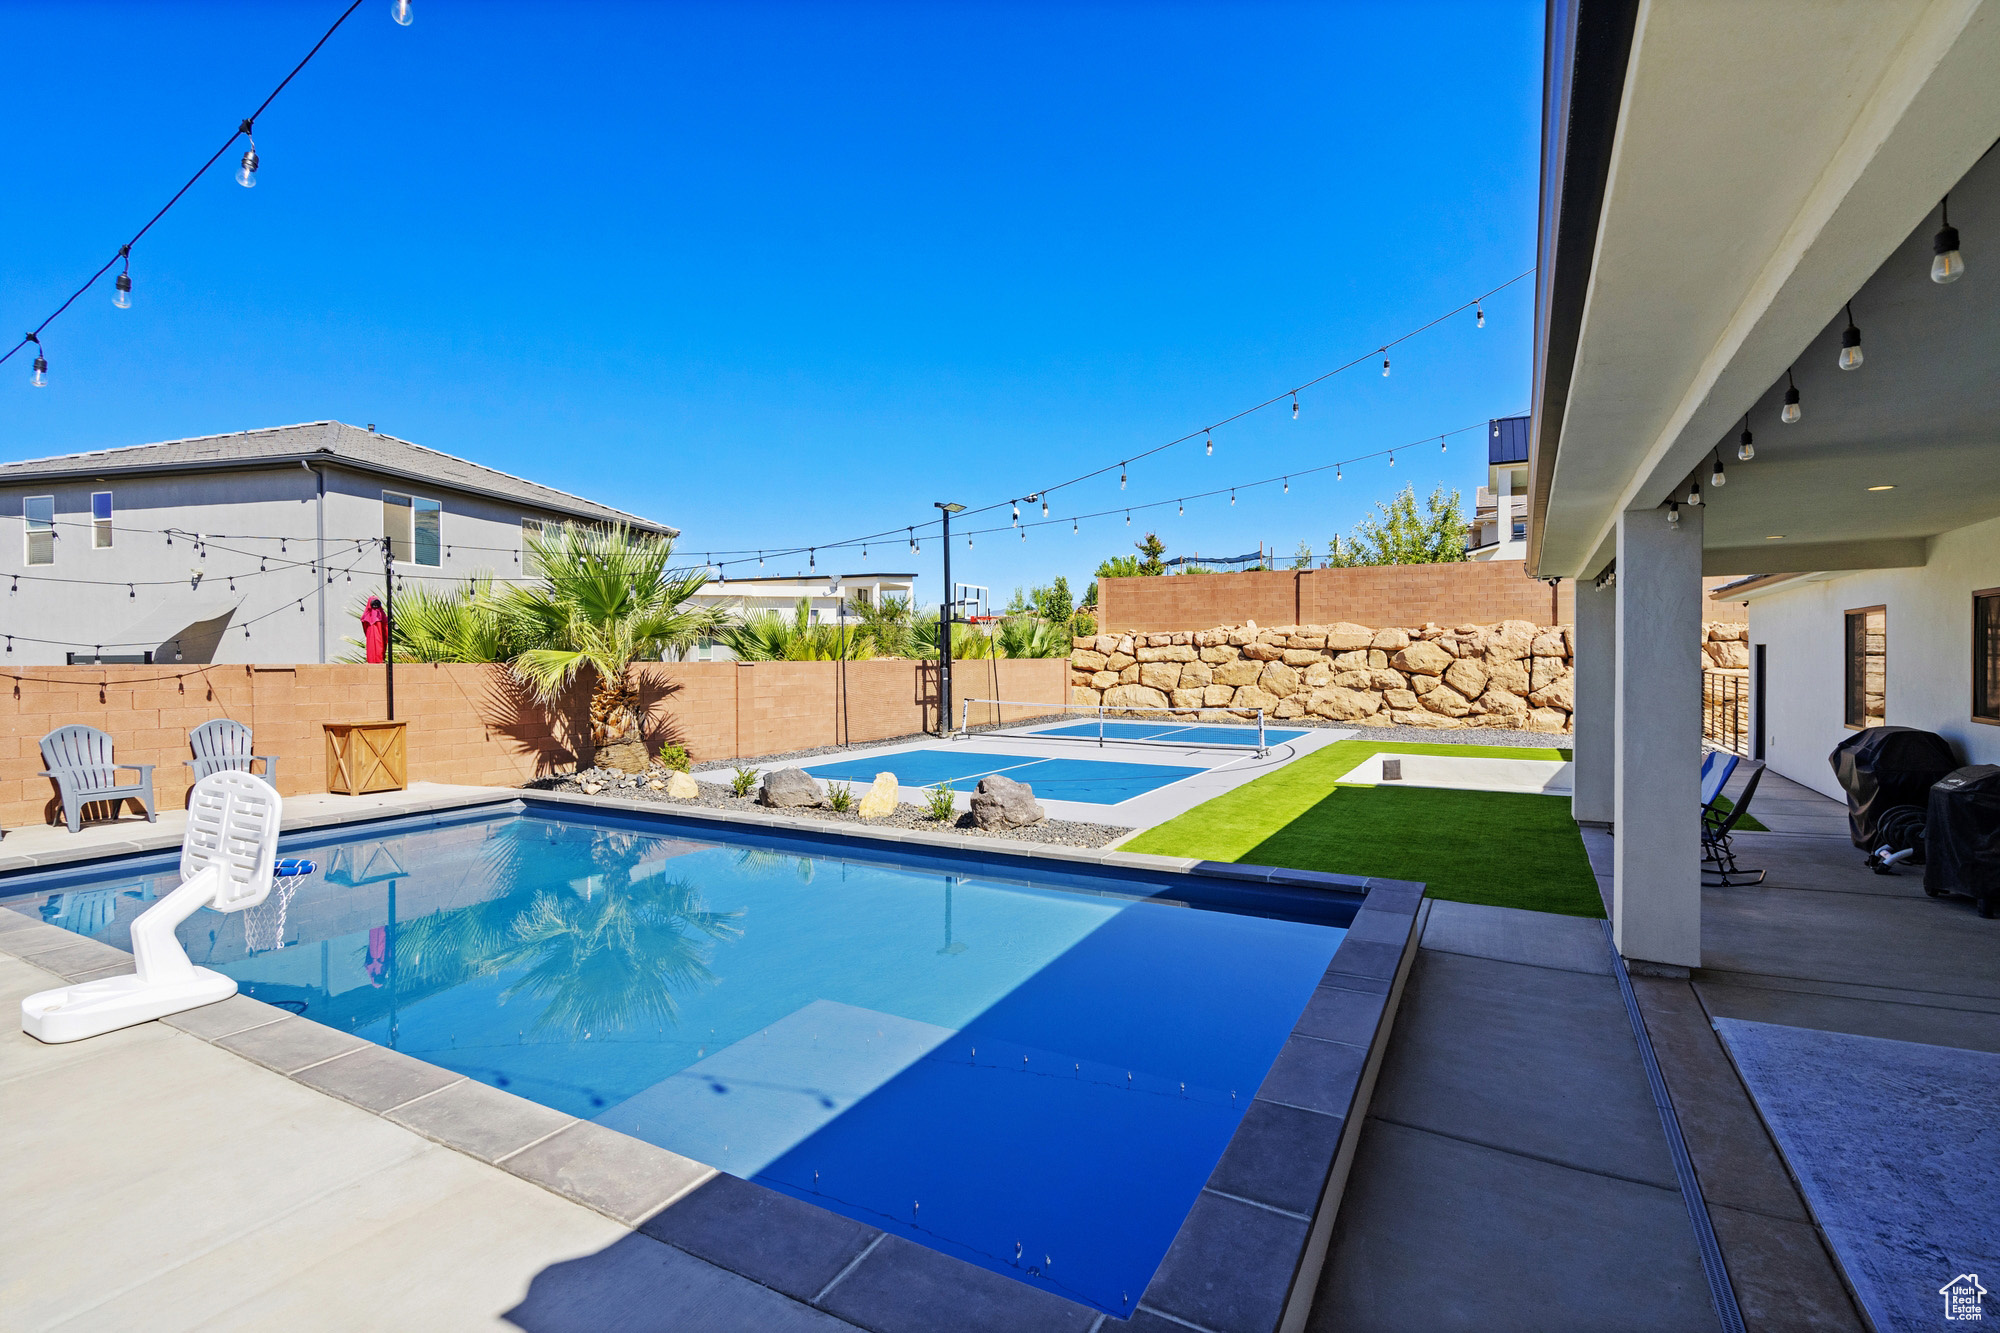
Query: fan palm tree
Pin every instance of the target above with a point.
(767, 636)
(1030, 636)
(605, 599)
(460, 623)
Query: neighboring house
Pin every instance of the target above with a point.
(827, 598)
(1759, 351)
(1499, 527)
(258, 546)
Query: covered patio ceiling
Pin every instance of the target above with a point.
(1769, 162)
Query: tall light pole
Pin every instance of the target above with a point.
(944, 622)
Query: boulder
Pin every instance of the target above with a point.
(1728, 633)
(1357, 680)
(1508, 640)
(1377, 658)
(1341, 705)
(1217, 696)
(1729, 654)
(1278, 680)
(1288, 709)
(1467, 677)
(1088, 696)
(1079, 677)
(1185, 698)
(1348, 636)
(1252, 697)
(1423, 718)
(1166, 652)
(1387, 680)
(1243, 635)
(1444, 699)
(1509, 674)
(1238, 673)
(1425, 684)
(682, 787)
(1548, 642)
(1160, 675)
(1423, 659)
(1125, 644)
(1498, 708)
(1002, 803)
(1548, 719)
(1221, 653)
(1390, 640)
(1119, 661)
(1130, 675)
(784, 787)
(1084, 659)
(1559, 693)
(1194, 675)
(1158, 641)
(1134, 696)
(1545, 670)
(1215, 715)
(1316, 675)
(1302, 657)
(1383, 718)
(881, 798)
(1263, 652)
(1104, 680)
(1402, 699)
(1313, 641)
(1350, 661)
(1183, 638)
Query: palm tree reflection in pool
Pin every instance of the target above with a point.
(607, 952)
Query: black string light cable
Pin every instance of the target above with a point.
(1204, 433)
(124, 254)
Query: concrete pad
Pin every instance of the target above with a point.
(1509, 935)
(1886, 1139)
(377, 1079)
(1445, 1235)
(290, 1044)
(1941, 1024)
(1785, 1281)
(769, 1237)
(1202, 1280)
(621, 1177)
(1542, 777)
(1532, 1060)
(480, 1121)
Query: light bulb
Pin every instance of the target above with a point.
(1128, 518)
(1694, 492)
(1211, 446)
(1181, 509)
(1441, 446)
(1232, 499)
(122, 295)
(1024, 534)
(40, 379)
(1073, 526)
(1850, 344)
(1385, 367)
(968, 541)
(1745, 451)
(1121, 476)
(1673, 514)
(1295, 407)
(1479, 317)
(812, 559)
(1791, 412)
(1947, 264)
(402, 12)
(1288, 485)
(246, 175)
(1392, 458)
(1716, 478)
(1017, 515)
(1336, 474)
(1045, 509)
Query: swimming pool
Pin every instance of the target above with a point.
(1036, 1076)
(1091, 781)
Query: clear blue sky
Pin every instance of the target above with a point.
(788, 273)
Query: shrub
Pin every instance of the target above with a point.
(938, 805)
(675, 756)
(742, 780)
(840, 796)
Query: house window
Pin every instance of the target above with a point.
(40, 512)
(1867, 667)
(415, 529)
(100, 520)
(1986, 656)
(531, 528)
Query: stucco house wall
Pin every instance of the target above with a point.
(1929, 667)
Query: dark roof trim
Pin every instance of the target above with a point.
(321, 457)
(1587, 45)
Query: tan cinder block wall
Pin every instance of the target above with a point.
(1470, 592)
(468, 724)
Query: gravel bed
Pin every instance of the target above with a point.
(1540, 740)
(728, 765)
(1059, 832)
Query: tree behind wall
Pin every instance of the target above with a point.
(1398, 534)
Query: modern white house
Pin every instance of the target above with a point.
(828, 599)
(1499, 526)
(1760, 352)
(256, 546)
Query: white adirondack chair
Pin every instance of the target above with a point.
(227, 860)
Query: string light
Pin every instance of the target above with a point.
(246, 174)
(40, 379)
(1045, 506)
(1947, 264)
(1850, 343)
(1790, 413)
(402, 11)
(1295, 407)
(1673, 513)
(1211, 445)
(812, 558)
(1385, 365)
(121, 296)
(1716, 478)
(1745, 450)
(1128, 518)
(1392, 458)
(1074, 527)
(1479, 317)
(1017, 515)
(1441, 448)
(1694, 492)
(1121, 476)
(1232, 499)
(1288, 485)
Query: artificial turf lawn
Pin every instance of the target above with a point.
(1503, 849)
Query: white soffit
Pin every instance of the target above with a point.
(1769, 157)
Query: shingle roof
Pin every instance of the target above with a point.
(322, 441)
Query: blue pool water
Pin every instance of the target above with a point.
(933, 1046)
(1093, 781)
(1174, 732)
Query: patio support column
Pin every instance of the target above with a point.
(1593, 798)
(1656, 861)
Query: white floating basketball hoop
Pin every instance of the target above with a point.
(227, 862)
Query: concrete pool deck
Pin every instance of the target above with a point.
(254, 1197)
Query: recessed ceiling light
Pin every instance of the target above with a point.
(1780, 537)
(1881, 488)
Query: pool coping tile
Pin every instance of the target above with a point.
(1279, 1180)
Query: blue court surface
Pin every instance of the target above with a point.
(1200, 734)
(1092, 781)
